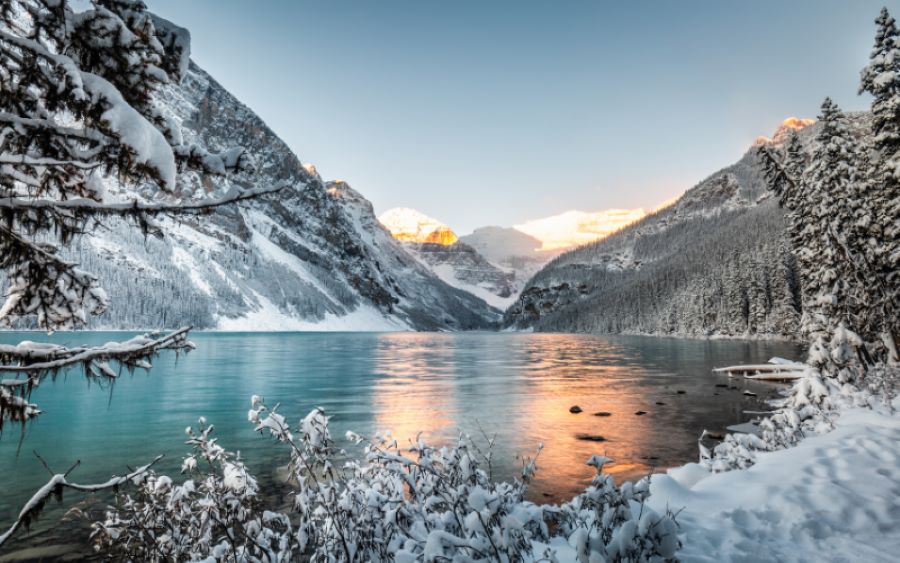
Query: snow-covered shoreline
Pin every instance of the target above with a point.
(832, 497)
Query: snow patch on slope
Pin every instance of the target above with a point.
(186, 262)
(267, 317)
(447, 273)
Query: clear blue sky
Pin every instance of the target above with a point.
(493, 113)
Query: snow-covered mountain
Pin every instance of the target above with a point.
(311, 257)
(439, 249)
(409, 225)
(512, 251)
(714, 262)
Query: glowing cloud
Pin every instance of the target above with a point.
(574, 228)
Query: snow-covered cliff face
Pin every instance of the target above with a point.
(439, 249)
(409, 225)
(512, 251)
(312, 256)
(714, 262)
(463, 267)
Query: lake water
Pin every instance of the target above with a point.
(518, 387)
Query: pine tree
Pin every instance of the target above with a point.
(824, 216)
(879, 218)
(77, 111)
(786, 293)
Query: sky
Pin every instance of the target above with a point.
(495, 113)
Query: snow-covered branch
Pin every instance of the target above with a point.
(72, 207)
(32, 361)
(33, 357)
(54, 488)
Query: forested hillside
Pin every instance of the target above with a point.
(714, 263)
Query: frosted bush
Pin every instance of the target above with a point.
(414, 503)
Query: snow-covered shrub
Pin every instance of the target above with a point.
(805, 409)
(810, 407)
(608, 523)
(416, 503)
(214, 512)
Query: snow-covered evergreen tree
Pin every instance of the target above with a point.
(879, 217)
(77, 110)
(821, 216)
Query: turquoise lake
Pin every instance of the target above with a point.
(518, 387)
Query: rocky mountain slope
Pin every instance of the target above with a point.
(460, 265)
(713, 263)
(512, 251)
(313, 256)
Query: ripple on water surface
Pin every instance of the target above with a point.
(517, 387)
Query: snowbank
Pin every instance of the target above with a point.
(833, 497)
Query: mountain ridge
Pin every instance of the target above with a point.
(714, 263)
(312, 257)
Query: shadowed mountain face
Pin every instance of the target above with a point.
(312, 256)
(713, 263)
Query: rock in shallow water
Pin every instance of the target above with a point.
(575, 409)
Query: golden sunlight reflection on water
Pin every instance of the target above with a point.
(524, 395)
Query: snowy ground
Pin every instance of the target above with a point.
(834, 497)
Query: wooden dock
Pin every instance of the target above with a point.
(776, 370)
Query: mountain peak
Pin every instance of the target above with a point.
(410, 225)
(781, 134)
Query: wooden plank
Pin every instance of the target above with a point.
(762, 368)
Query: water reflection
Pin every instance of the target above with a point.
(521, 387)
(518, 387)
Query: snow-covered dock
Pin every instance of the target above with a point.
(778, 369)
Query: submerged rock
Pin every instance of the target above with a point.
(602, 413)
(590, 437)
(575, 409)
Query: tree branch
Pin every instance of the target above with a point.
(49, 357)
(134, 207)
(55, 486)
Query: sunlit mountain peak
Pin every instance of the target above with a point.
(788, 125)
(409, 225)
